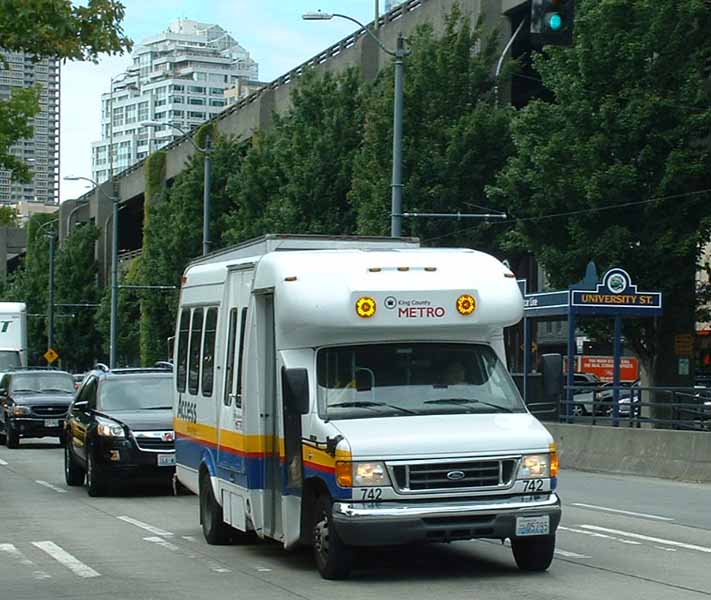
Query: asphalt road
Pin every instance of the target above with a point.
(57, 543)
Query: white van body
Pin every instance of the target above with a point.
(356, 316)
(13, 335)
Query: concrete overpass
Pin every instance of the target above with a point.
(256, 111)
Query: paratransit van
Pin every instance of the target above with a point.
(353, 392)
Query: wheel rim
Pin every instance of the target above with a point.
(321, 538)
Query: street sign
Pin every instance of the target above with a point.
(616, 296)
(684, 344)
(51, 355)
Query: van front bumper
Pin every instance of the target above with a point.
(394, 523)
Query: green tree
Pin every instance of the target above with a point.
(77, 340)
(8, 216)
(54, 29)
(455, 137)
(625, 138)
(295, 178)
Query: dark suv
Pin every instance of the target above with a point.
(120, 426)
(33, 404)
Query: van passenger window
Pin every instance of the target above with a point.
(194, 364)
(208, 351)
(230, 356)
(183, 333)
(242, 327)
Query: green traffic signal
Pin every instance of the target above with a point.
(555, 22)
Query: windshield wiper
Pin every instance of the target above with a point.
(364, 404)
(468, 401)
(57, 390)
(25, 391)
(158, 407)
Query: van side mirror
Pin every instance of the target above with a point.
(295, 388)
(80, 406)
(552, 367)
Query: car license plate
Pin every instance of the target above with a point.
(166, 460)
(532, 526)
(51, 422)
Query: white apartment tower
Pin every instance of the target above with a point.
(178, 76)
(41, 151)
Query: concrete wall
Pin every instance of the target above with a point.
(255, 112)
(679, 455)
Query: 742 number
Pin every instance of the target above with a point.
(371, 494)
(532, 486)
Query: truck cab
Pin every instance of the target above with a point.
(359, 397)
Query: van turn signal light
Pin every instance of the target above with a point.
(365, 307)
(466, 304)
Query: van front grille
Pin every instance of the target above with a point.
(454, 475)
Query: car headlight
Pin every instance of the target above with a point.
(540, 466)
(110, 429)
(20, 411)
(361, 474)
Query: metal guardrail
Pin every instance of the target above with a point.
(681, 408)
(349, 41)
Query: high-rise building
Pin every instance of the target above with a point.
(178, 76)
(41, 151)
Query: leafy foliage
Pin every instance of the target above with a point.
(624, 148)
(455, 136)
(16, 115)
(8, 216)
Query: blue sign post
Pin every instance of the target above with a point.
(615, 296)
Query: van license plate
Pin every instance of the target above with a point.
(532, 526)
(166, 460)
(51, 422)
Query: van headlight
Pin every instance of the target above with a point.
(110, 429)
(361, 474)
(540, 466)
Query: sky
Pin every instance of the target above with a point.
(272, 31)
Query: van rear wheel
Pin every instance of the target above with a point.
(533, 553)
(334, 559)
(215, 530)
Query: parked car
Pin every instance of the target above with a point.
(120, 427)
(629, 398)
(585, 394)
(34, 404)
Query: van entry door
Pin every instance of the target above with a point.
(269, 418)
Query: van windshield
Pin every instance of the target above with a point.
(406, 379)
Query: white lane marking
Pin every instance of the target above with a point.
(566, 554)
(600, 535)
(665, 549)
(71, 562)
(146, 526)
(656, 540)
(50, 486)
(161, 542)
(264, 570)
(190, 538)
(3, 463)
(621, 512)
(23, 560)
(218, 568)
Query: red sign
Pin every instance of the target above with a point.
(602, 366)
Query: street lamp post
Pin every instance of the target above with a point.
(206, 151)
(399, 55)
(50, 302)
(113, 327)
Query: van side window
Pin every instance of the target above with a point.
(183, 333)
(242, 327)
(194, 363)
(230, 356)
(208, 351)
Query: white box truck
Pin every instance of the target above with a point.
(353, 392)
(13, 335)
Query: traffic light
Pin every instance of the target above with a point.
(552, 21)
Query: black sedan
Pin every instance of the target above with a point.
(120, 427)
(34, 404)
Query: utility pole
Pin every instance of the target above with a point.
(206, 198)
(399, 101)
(50, 304)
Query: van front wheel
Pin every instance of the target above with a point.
(334, 559)
(215, 530)
(533, 553)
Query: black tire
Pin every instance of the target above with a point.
(2, 434)
(334, 559)
(12, 438)
(533, 553)
(95, 479)
(214, 528)
(73, 473)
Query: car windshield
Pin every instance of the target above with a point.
(136, 393)
(9, 359)
(405, 379)
(40, 383)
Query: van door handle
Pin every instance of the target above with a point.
(232, 398)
